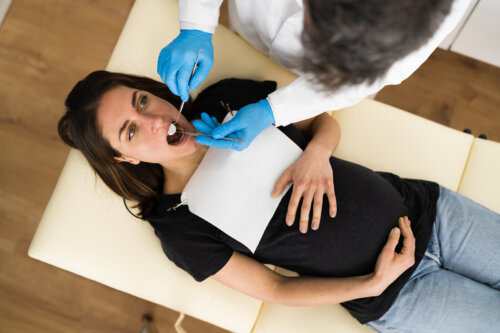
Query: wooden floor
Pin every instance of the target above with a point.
(453, 90)
(45, 47)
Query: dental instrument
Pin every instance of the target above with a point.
(172, 129)
(198, 134)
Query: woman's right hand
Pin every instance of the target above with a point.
(391, 264)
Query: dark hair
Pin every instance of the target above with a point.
(354, 41)
(79, 129)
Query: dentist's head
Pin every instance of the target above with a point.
(350, 42)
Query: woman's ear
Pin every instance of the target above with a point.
(127, 159)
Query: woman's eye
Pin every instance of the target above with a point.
(142, 102)
(131, 132)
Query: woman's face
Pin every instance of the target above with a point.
(136, 123)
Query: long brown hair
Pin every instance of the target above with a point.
(79, 129)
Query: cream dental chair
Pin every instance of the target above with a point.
(86, 230)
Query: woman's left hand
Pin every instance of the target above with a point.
(391, 264)
(312, 178)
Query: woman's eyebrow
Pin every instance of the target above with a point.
(134, 96)
(122, 129)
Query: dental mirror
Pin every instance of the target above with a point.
(172, 129)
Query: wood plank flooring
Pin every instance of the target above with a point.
(453, 90)
(45, 47)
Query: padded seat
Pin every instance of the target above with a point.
(481, 179)
(385, 138)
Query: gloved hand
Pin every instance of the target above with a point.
(177, 59)
(207, 124)
(246, 125)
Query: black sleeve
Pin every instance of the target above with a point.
(235, 92)
(194, 247)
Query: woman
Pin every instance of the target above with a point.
(120, 124)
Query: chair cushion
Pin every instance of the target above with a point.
(385, 138)
(481, 179)
(86, 230)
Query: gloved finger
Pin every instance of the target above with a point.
(240, 146)
(160, 62)
(202, 127)
(317, 207)
(164, 58)
(169, 79)
(227, 128)
(207, 120)
(220, 144)
(183, 81)
(204, 66)
(215, 122)
(305, 210)
(282, 182)
(235, 135)
(163, 74)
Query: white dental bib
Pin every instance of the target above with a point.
(232, 189)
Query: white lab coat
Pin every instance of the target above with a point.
(274, 28)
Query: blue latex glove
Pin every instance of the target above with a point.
(207, 124)
(177, 59)
(246, 125)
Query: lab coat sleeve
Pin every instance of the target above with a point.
(303, 99)
(199, 14)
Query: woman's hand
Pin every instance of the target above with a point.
(390, 264)
(312, 178)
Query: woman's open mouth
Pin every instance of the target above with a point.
(177, 137)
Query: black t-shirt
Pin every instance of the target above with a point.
(369, 205)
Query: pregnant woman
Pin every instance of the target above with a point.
(438, 273)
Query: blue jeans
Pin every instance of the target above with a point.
(456, 286)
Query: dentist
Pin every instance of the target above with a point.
(342, 51)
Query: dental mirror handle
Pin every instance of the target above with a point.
(190, 77)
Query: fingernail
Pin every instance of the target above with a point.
(395, 231)
(332, 213)
(289, 221)
(314, 226)
(303, 229)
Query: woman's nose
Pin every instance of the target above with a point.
(155, 123)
